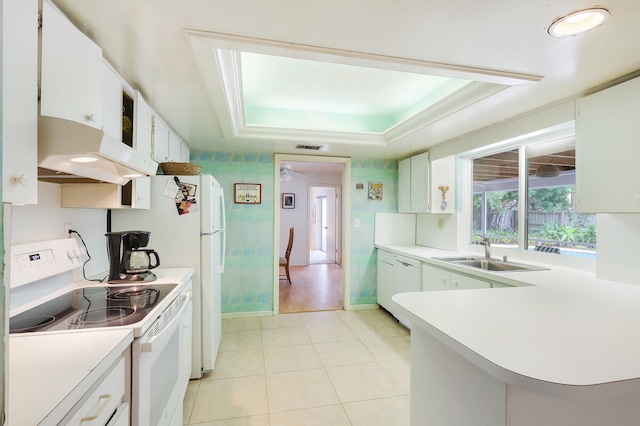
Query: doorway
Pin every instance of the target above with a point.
(324, 226)
(320, 187)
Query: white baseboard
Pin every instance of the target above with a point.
(247, 314)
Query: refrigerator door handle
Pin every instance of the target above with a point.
(223, 216)
(224, 250)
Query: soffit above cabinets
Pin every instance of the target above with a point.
(262, 88)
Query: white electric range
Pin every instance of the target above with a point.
(46, 301)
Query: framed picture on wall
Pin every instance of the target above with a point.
(288, 201)
(247, 193)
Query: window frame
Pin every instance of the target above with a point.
(465, 224)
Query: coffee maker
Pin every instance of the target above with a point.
(129, 260)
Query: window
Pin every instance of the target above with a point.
(495, 198)
(548, 222)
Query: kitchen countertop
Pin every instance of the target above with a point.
(50, 372)
(564, 333)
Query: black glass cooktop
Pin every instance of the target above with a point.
(91, 307)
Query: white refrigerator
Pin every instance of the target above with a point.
(187, 225)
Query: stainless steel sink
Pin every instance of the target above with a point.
(457, 259)
(490, 264)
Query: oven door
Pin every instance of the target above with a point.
(158, 365)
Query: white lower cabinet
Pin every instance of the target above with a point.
(396, 274)
(435, 279)
(464, 282)
(385, 279)
(407, 277)
(105, 404)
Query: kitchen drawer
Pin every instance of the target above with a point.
(385, 256)
(104, 401)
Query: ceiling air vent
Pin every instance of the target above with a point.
(309, 147)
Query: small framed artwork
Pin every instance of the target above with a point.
(247, 193)
(375, 191)
(288, 201)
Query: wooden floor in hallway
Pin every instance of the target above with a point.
(315, 287)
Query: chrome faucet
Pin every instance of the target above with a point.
(487, 247)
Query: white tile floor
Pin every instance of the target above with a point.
(317, 368)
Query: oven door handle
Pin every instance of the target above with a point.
(148, 347)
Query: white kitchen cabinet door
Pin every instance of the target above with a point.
(111, 102)
(435, 279)
(404, 186)
(463, 282)
(443, 179)
(407, 277)
(385, 279)
(104, 400)
(175, 148)
(185, 153)
(160, 140)
(141, 193)
(71, 71)
(420, 200)
(607, 150)
(19, 101)
(143, 123)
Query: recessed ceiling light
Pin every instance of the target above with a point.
(133, 175)
(578, 22)
(85, 159)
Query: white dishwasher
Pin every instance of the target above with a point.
(407, 277)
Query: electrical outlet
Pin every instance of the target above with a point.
(67, 228)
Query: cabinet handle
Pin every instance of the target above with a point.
(92, 118)
(22, 180)
(107, 398)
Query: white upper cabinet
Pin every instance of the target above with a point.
(413, 184)
(607, 150)
(143, 119)
(160, 140)
(19, 101)
(443, 181)
(111, 101)
(404, 186)
(71, 71)
(175, 147)
(420, 201)
(185, 153)
(167, 146)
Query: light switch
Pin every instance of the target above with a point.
(356, 223)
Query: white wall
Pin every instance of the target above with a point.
(46, 221)
(438, 230)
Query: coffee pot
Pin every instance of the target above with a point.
(138, 261)
(129, 260)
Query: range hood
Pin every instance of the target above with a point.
(80, 150)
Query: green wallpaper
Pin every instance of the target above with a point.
(247, 283)
(363, 256)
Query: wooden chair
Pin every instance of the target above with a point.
(284, 261)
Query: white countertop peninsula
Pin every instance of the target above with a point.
(561, 350)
